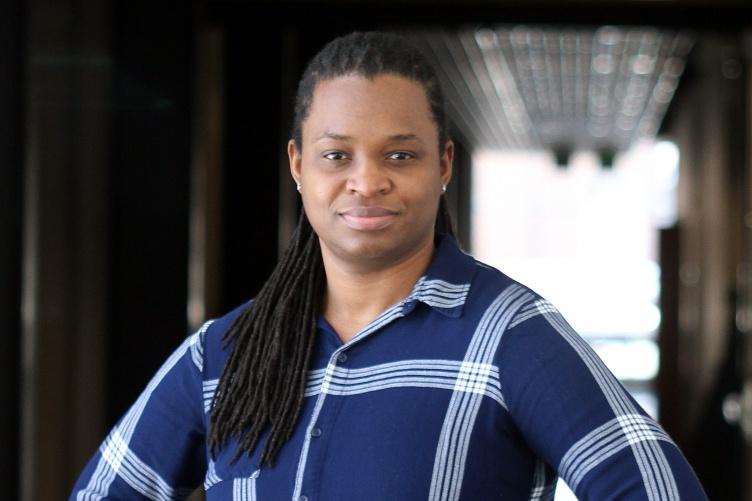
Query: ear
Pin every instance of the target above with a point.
(295, 160)
(445, 162)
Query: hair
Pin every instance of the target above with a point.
(369, 54)
(263, 383)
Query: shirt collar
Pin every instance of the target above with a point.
(446, 283)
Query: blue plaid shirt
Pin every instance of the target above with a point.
(471, 388)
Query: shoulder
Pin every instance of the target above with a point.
(492, 286)
(536, 345)
(526, 322)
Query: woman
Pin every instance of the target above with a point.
(379, 362)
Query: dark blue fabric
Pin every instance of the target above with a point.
(472, 388)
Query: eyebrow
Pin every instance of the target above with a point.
(332, 135)
(394, 137)
(404, 137)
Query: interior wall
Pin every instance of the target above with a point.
(107, 134)
(705, 123)
(104, 129)
(744, 317)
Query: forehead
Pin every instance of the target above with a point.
(355, 105)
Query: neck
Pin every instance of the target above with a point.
(356, 296)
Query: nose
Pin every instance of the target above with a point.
(368, 178)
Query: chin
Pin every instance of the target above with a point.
(378, 248)
(363, 249)
(369, 251)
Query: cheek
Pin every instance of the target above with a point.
(318, 200)
(425, 191)
(324, 188)
(424, 204)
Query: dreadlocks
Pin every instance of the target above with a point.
(263, 382)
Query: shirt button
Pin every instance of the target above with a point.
(303, 498)
(342, 357)
(316, 432)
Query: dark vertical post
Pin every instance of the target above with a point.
(459, 193)
(669, 394)
(251, 174)
(463, 178)
(204, 263)
(289, 201)
(12, 51)
(64, 286)
(150, 157)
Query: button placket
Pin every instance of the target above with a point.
(309, 467)
(320, 419)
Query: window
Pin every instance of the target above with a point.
(585, 237)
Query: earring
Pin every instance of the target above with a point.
(298, 187)
(443, 188)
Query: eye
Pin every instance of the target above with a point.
(336, 156)
(400, 155)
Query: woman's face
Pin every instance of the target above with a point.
(371, 170)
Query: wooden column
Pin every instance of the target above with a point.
(204, 263)
(65, 278)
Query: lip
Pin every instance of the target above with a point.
(368, 218)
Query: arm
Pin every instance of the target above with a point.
(577, 417)
(157, 449)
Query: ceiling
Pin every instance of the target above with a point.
(558, 88)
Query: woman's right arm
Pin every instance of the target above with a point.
(157, 450)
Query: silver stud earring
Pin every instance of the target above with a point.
(298, 187)
(443, 188)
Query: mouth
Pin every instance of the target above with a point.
(368, 218)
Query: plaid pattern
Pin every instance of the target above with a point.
(471, 388)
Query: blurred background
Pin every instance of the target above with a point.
(604, 159)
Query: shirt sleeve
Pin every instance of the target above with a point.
(581, 421)
(157, 449)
